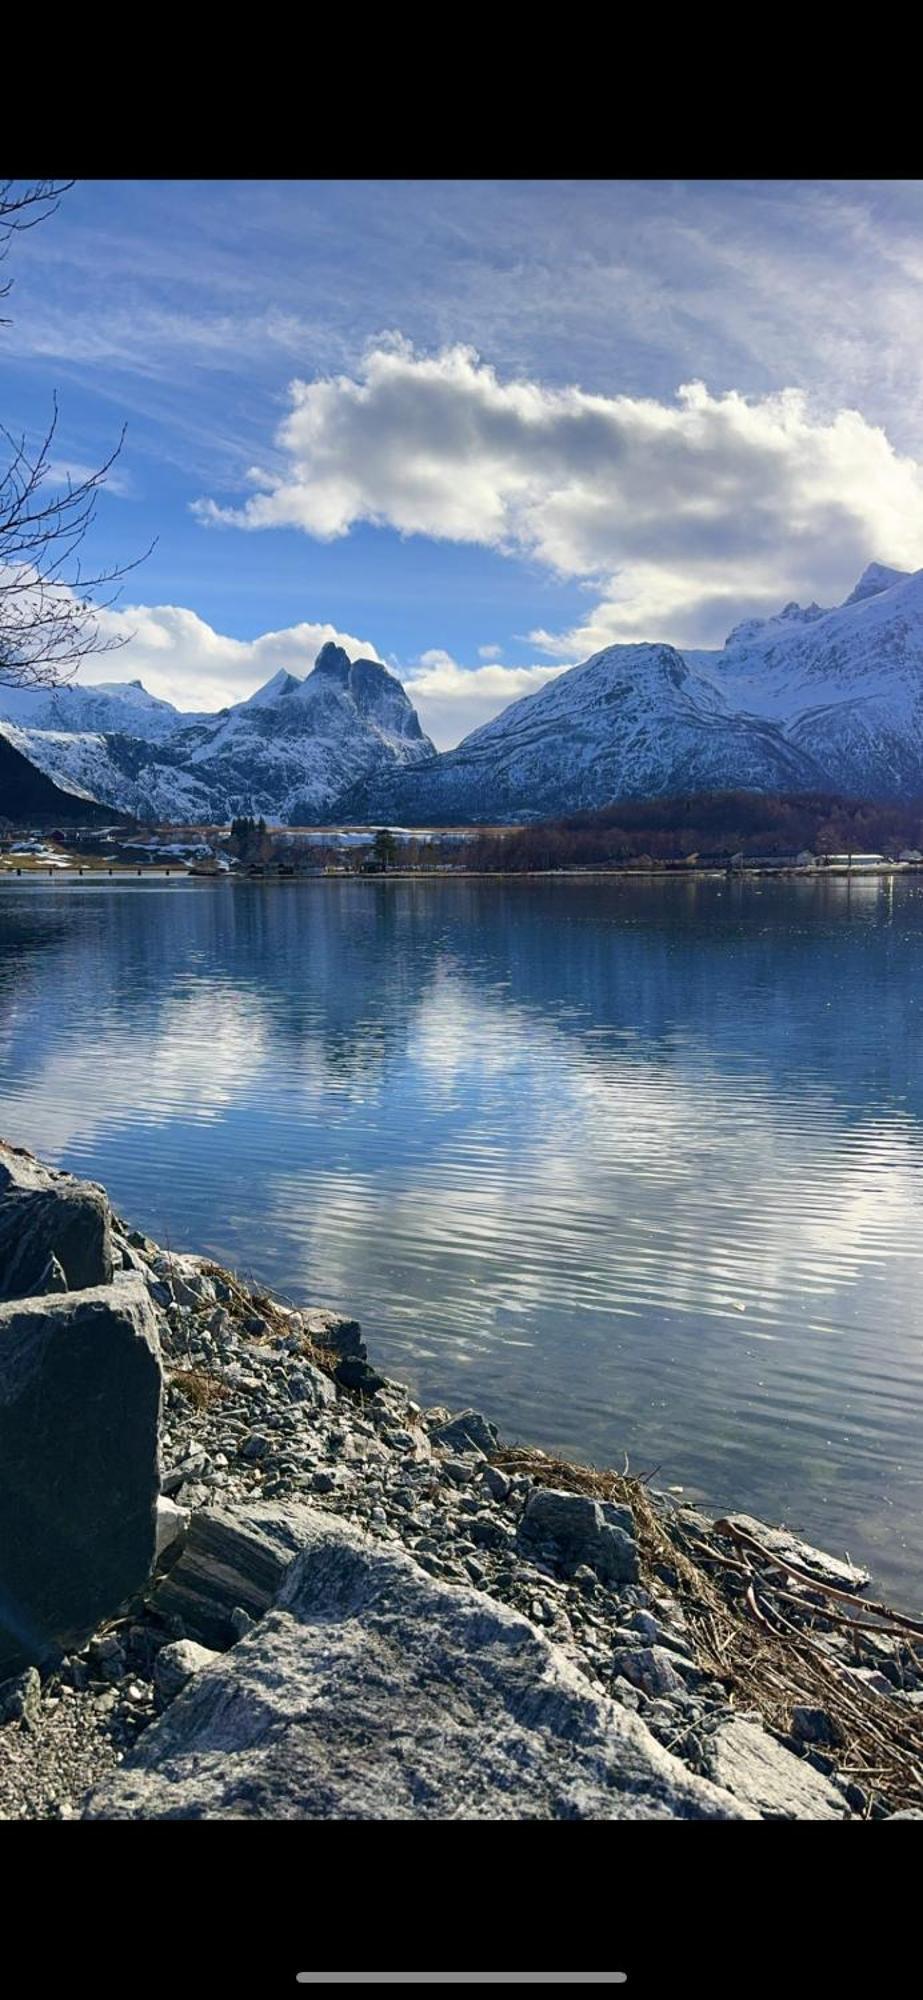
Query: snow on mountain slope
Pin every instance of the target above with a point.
(296, 745)
(632, 722)
(844, 686)
(808, 699)
(288, 752)
(121, 706)
(116, 770)
(31, 796)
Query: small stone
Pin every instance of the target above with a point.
(108, 1654)
(171, 1523)
(255, 1446)
(650, 1669)
(496, 1482)
(579, 1530)
(647, 1626)
(469, 1431)
(175, 1665)
(240, 1622)
(20, 1697)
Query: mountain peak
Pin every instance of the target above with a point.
(333, 662)
(282, 683)
(875, 578)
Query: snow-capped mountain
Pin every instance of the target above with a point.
(121, 706)
(27, 794)
(288, 752)
(632, 721)
(811, 698)
(845, 686)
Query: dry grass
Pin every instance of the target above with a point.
(757, 1626)
(199, 1387)
(246, 1300)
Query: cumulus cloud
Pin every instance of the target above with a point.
(184, 660)
(451, 700)
(679, 515)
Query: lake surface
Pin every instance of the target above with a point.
(635, 1167)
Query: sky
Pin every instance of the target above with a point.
(477, 430)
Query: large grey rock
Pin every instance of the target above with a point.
(576, 1529)
(54, 1230)
(759, 1771)
(334, 1330)
(371, 1691)
(80, 1390)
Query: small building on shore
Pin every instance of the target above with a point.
(857, 861)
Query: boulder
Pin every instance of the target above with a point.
(80, 1392)
(334, 1330)
(371, 1691)
(55, 1231)
(742, 1757)
(575, 1529)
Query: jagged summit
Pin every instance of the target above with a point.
(288, 751)
(875, 578)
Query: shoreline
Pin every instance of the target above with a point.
(676, 873)
(757, 1666)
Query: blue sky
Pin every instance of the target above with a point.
(481, 428)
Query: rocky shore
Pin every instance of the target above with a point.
(243, 1574)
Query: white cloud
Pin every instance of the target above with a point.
(681, 515)
(452, 700)
(181, 658)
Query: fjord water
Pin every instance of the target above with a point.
(634, 1166)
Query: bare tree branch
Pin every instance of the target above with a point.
(49, 605)
(22, 210)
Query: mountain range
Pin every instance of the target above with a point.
(289, 751)
(811, 698)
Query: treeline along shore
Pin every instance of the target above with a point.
(243, 1574)
(723, 831)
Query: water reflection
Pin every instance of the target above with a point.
(636, 1166)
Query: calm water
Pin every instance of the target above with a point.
(634, 1167)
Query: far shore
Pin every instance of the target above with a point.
(676, 871)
